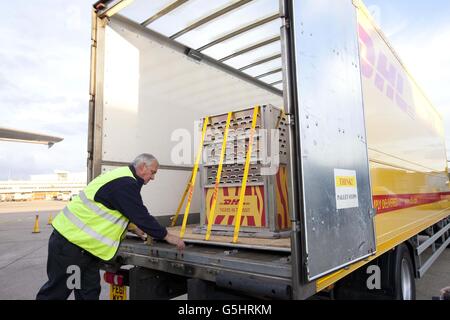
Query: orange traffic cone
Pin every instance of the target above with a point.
(36, 225)
(50, 219)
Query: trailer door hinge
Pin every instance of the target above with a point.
(296, 225)
(285, 22)
(289, 119)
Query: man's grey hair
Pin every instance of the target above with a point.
(144, 158)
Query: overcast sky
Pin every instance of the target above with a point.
(44, 83)
(44, 72)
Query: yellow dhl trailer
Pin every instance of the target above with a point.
(363, 178)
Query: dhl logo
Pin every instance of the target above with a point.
(342, 181)
(231, 202)
(253, 212)
(389, 80)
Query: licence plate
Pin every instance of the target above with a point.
(117, 292)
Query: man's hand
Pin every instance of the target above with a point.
(133, 228)
(170, 238)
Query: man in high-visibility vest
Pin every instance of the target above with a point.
(90, 228)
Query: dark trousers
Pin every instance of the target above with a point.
(63, 258)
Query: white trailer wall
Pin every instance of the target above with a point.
(147, 90)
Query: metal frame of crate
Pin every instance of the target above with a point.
(269, 118)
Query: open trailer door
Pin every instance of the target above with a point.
(333, 179)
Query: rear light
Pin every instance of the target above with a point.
(113, 278)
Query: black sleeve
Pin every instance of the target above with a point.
(127, 199)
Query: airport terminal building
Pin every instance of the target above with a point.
(60, 185)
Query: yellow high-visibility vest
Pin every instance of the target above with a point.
(91, 225)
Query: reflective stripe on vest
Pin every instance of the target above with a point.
(69, 215)
(122, 222)
(90, 224)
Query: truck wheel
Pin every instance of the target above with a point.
(404, 285)
(397, 279)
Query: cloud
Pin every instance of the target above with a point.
(383, 17)
(426, 55)
(73, 20)
(44, 83)
(19, 160)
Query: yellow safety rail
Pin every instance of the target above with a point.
(244, 179)
(219, 173)
(193, 178)
(175, 218)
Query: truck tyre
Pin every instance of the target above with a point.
(403, 282)
(397, 279)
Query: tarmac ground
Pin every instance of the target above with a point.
(23, 254)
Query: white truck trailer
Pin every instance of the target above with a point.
(366, 169)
